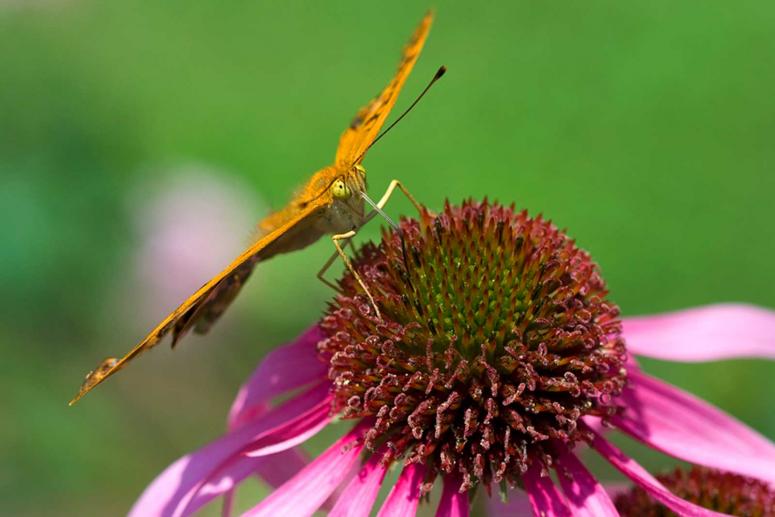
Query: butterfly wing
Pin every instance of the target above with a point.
(365, 127)
(205, 306)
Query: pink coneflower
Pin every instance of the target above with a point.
(498, 355)
(724, 492)
(727, 493)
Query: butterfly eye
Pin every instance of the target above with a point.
(340, 189)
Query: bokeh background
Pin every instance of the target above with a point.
(140, 141)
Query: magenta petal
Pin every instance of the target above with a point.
(360, 493)
(714, 332)
(672, 421)
(171, 491)
(279, 468)
(453, 503)
(283, 369)
(639, 475)
(308, 490)
(545, 499)
(518, 504)
(275, 440)
(404, 497)
(584, 493)
(228, 504)
(291, 433)
(274, 469)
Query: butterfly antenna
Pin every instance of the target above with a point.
(439, 74)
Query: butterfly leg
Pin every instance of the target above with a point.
(325, 268)
(346, 236)
(335, 255)
(389, 192)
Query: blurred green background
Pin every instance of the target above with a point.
(646, 129)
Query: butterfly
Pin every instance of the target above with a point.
(331, 202)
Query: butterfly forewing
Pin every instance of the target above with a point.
(365, 127)
(303, 221)
(202, 308)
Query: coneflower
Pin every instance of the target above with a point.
(723, 492)
(497, 353)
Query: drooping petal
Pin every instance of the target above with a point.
(453, 503)
(283, 369)
(703, 334)
(360, 493)
(279, 468)
(679, 424)
(275, 470)
(545, 499)
(404, 497)
(276, 440)
(228, 503)
(639, 475)
(170, 492)
(308, 490)
(291, 433)
(517, 504)
(586, 496)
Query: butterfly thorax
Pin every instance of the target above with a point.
(345, 211)
(332, 200)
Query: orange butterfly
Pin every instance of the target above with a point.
(332, 202)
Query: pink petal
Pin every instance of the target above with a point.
(279, 468)
(404, 497)
(358, 497)
(453, 503)
(672, 421)
(703, 334)
(283, 369)
(639, 475)
(517, 504)
(275, 470)
(545, 499)
(228, 504)
(585, 495)
(308, 490)
(276, 440)
(291, 433)
(170, 491)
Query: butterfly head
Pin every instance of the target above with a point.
(349, 183)
(346, 204)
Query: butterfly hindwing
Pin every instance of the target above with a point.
(206, 305)
(303, 221)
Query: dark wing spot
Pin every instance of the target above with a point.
(356, 121)
(372, 118)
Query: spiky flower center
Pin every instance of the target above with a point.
(495, 338)
(712, 489)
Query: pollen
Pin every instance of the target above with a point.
(496, 336)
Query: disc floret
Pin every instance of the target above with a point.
(496, 337)
(723, 492)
